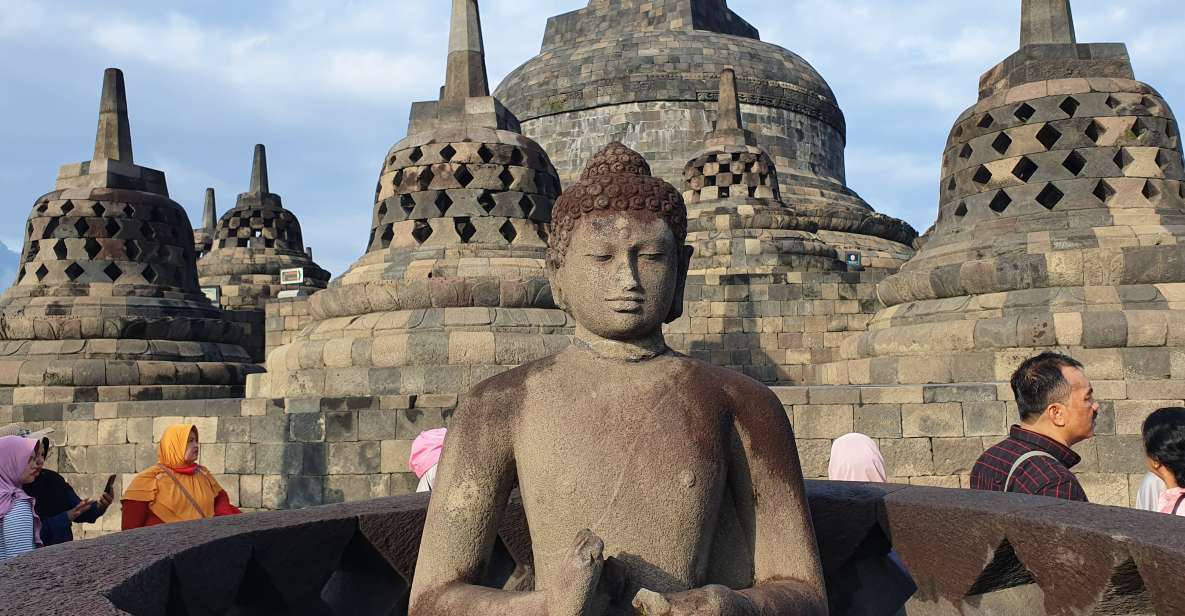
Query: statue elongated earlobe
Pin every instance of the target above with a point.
(676, 310)
(557, 294)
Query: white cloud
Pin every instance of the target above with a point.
(893, 167)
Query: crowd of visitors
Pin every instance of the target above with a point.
(1054, 398)
(38, 507)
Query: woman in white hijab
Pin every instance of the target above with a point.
(874, 582)
(855, 457)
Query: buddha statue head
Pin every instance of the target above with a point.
(616, 255)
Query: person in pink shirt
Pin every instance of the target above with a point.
(1164, 444)
(425, 454)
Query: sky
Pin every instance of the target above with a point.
(327, 84)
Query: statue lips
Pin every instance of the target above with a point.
(626, 304)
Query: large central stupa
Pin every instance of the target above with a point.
(646, 73)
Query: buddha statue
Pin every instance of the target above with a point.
(652, 483)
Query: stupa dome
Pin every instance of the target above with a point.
(648, 75)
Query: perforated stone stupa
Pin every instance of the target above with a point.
(106, 305)
(758, 267)
(1060, 225)
(452, 288)
(252, 243)
(644, 73)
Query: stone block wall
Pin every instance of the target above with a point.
(774, 327)
(252, 322)
(283, 319)
(932, 434)
(669, 134)
(282, 454)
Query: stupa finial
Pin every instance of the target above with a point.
(1046, 22)
(466, 72)
(259, 171)
(730, 130)
(113, 140)
(729, 106)
(209, 213)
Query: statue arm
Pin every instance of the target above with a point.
(474, 480)
(788, 575)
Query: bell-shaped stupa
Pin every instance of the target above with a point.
(736, 217)
(1060, 225)
(252, 244)
(758, 264)
(107, 304)
(452, 288)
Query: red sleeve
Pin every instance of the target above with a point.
(135, 514)
(222, 505)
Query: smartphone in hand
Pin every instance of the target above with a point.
(110, 489)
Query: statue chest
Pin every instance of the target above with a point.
(650, 488)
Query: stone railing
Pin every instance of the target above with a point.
(970, 552)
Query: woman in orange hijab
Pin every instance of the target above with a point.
(176, 488)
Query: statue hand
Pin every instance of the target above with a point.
(575, 594)
(713, 600)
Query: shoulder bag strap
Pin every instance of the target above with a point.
(1177, 507)
(184, 492)
(1021, 460)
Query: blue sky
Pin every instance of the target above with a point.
(327, 86)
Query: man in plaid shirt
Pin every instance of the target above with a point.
(1057, 410)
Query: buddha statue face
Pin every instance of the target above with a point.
(621, 274)
(616, 255)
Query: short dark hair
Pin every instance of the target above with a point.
(1164, 439)
(1038, 382)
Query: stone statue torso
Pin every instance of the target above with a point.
(636, 453)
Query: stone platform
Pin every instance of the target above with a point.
(971, 553)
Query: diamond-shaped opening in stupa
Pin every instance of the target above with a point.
(508, 231)
(1123, 159)
(92, 247)
(74, 271)
(1002, 143)
(1025, 169)
(1000, 202)
(464, 176)
(112, 272)
(465, 229)
(421, 231)
(1070, 106)
(1050, 196)
(1049, 136)
(1103, 191)
(1074, 163)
